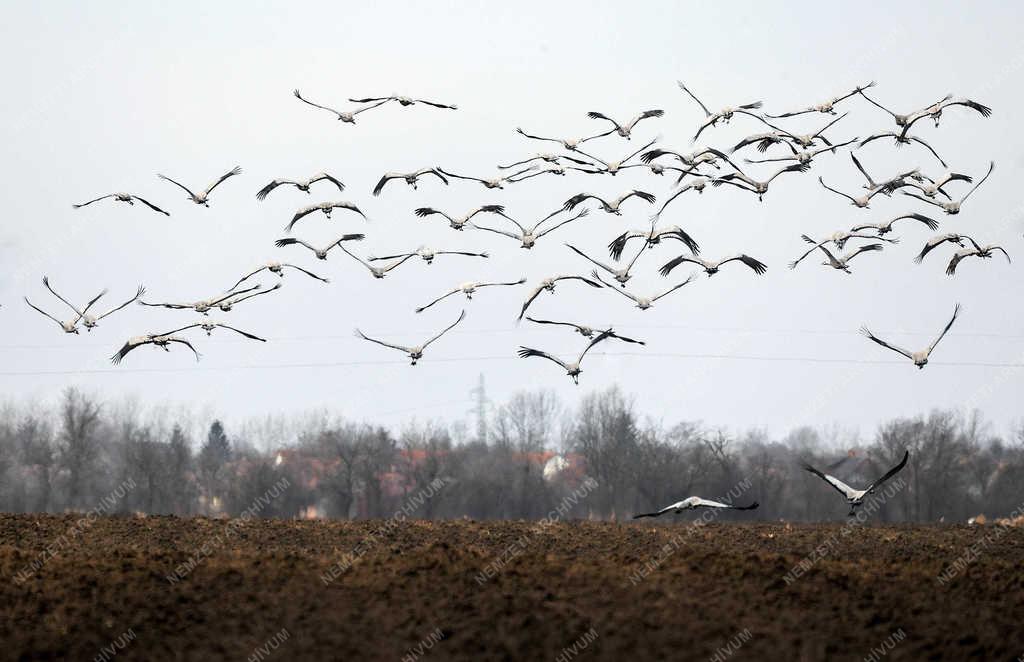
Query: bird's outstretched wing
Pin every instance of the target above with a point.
(138, 295)
(462, 316)
(956, 312)
(305, 211)
(102, 197)
(708, 503)
(756, 265)
(248, 276)
(240, 332)
(178, 184)
(991, 167)
(590, 259)
(150, 205)
(667, 268)
(299, 96)
(526, 352)
(230, 173)
(440, 298)
(689, 279)
(683, 87)
(381, 342)
(308, 273)
(43, 312)
(837, 484)
(265, 191)
(323, 176)
(891, 472)
(899, 350)
(657, 513)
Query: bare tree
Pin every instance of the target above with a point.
(78, 450)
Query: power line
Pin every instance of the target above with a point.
(509, 357)
(475, 332)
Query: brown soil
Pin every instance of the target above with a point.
(553, 585)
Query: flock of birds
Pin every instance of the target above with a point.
(694, 171)
(794, 152)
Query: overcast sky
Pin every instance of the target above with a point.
(102, 96)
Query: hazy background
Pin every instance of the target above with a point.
(102, 96)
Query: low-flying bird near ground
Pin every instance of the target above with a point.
(123, 197)
(163, 341)
(415, 353)
(861, 202)
(301, 184)
(202, 198)
(227, 305)
(711, 267)
(919, 358)
(856, 497)
(759, 188)
(622, 276)
(528, 238)
(573, 369)
(548, 284)
(724, 115)
(326, 208)
(278, 269)
(461, 222)
(378, 272)
(348, 117)
(951, 237)
(612, 207)
(841, 263)
(827, 107)
(643, 303)
(952, 207)
(983, 252)
(624, 129)
(410, 178)
(692, 503)
(902, 141)
(204, 306)
(428, 255)
(652, 238)
(405, 101)
(320, 253)
(469, 289)
(885, 228)
(569, 144)
(90, 322)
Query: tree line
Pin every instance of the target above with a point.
(522, 460)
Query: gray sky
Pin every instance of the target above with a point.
(101, 96)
